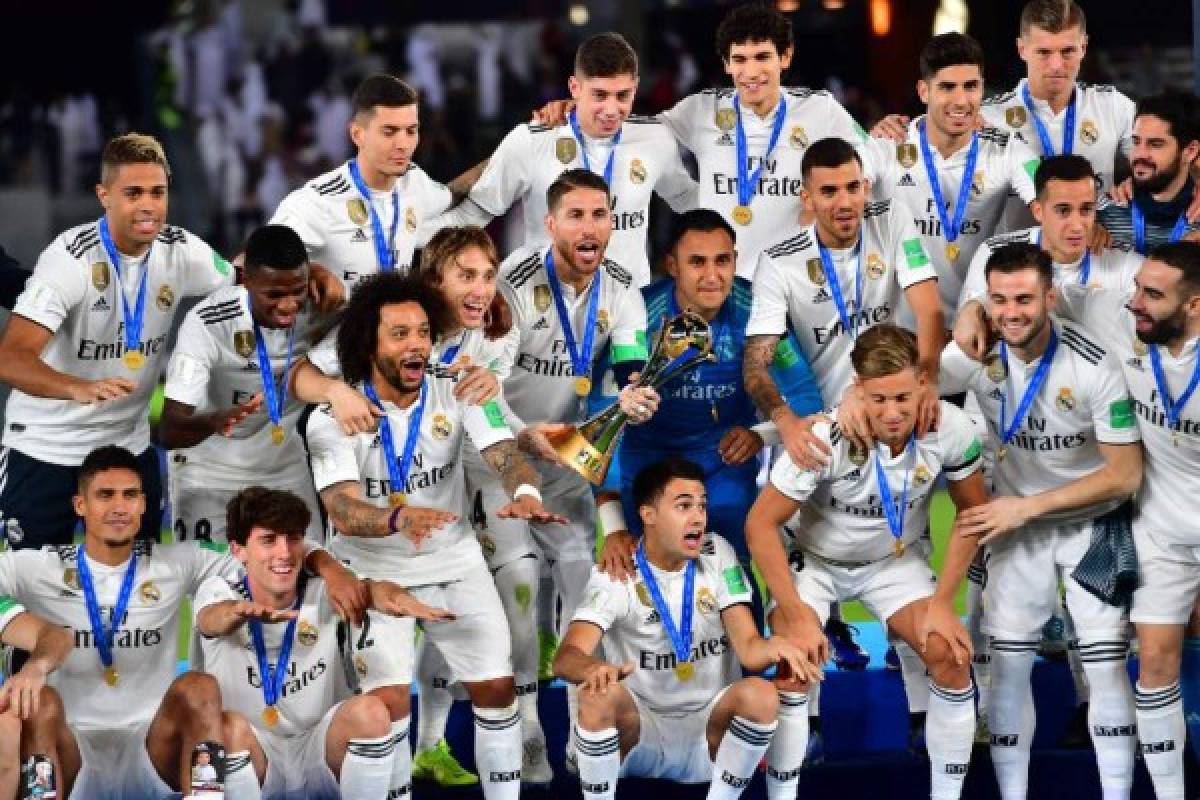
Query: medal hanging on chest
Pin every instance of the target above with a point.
(385, 253)
(580, 354)
(894, 512)
(681, 637)
(951, 226)
(398, 468)
(1172, 409)
(1008, 428)
(105, 636)
(274, 392)
(272, 675)
(132, 317)
(747, 182)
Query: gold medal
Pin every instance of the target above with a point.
(111, 676)
(685, 671)
(397, 500)
(583, 386)
(270, 716)
(1001, 453)
(898, 547)
(742, 215)
(134, 359)
(952, 251)
(277, 435)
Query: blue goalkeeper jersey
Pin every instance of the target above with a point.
(698, 408)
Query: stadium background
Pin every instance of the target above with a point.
(250, 98)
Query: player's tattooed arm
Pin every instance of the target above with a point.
(756, 365)
(354, 516)
(461, 186)
(514, 469)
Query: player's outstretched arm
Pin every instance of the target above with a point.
(521, 481)
(180, 425)
(757, 654)
(394, 600)
(354, 516)
(22, 367)
(351, 408)
(225, 617)
(575, 662)
(804, 448)
(48, 646)
(349, 596)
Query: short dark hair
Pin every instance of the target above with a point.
(381, 90)
(102, 459)
(358, 322)
(649, 483)
(828, 153)
(753, 22)
(704, 220)
(1177, 109)
(1063, 167)
(949, 50)
(259, 507)
(275, 247)
(605, 55)
(1017, 256)
(571, 180)
(1052, 16)
(1182, 255)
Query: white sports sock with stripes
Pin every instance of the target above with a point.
(741, 749)
(1011, 715)
(1111, 714)
(1162, 730)
(367, 768)
(598, 754)
(949, 735)
(785, 756)
(241, 782)
(400, 784)
(498, 751)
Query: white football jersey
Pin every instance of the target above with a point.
(315, 680)
(532, 157)
(75, 294)
(790, 289)
(146, 647)
(215, 367)
(10, 609)
(1169, 499)
(332, 219)
(842, 515)
(703, 124)
(1082, 404)
(1003, 164)
(633, 631)
(435, 480)
(1115, 268)
(541, 385)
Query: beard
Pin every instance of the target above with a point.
(392, 374)
(1035, 330)
(1164, 330)
(1161, 178)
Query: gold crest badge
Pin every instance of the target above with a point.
(995, 368)
(725, 119)
(858, 455)
(1139, 348)
(360, 666)
(906, 154)
(706, 603)
(977, 182)
(602, 321)
(243, 343)
(149, 593)
(565, 149)
(816, 272)
(1065, 401)
(541, 297)
(922, 475)
(487, 544)
(1015, 116)
(798, 137)
(71, 578)
(306, 633)
(100, 275)
(643, 594)
(356, 207)
(165, 298)
(442, 426)
(410, 220)
(875, 266)
(1088, 132)
(637, 171)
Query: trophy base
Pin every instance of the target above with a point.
(579, 454)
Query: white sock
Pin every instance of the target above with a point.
(949, 735)
(1111, 715)
(814, 699)
(981, 658)
(1074, 658)
(240, 778)
(517, 585)
(572, 711)
(434, 698)
(545, 608)
(786, 753)
(1162, 731)
(1011, 716)
(367, 768)
(498, 751)
(741, 749)
(400, 784)
(916, 678)
(599, 759)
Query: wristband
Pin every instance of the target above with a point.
(392, 517)
(527, 490)
(612, 517)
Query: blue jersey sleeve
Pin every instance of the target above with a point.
(794, 377)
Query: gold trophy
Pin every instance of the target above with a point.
(589, 448)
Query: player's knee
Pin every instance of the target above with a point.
(939, 661)
(10, 737)
(597, 711)
(236, 731)
(367, 717)
(755, 699)
(197, 691)
(494, 693)
(1158, 662)
(397, 699)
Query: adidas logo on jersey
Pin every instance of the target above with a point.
(724, 140)
(1136, 363)
(906, 180)
(652, 618)
(822, 296)
(541, 324)
(101, 304)
(359, 236)
(996, 394)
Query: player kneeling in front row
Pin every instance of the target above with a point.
(271, 639)
(852, 526)
(673, 705)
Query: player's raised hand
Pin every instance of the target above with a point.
(972, 332)
(397, 601)
(806, 448)
(328, 293)
(852, 417)
(349, 596)
(528, 507)
(418, 524)
(941, 620)
(101, 391)
(476, 383)
(996, 518)
(553, 113)
(929, 409)
(1122, 193)
(638, 402)
(893, 126)
(223, 422)
(598, 677)
(250, 610)
(353, 411)
(794, 661)
(22, 692)
(803, 629)
(616, 555)
(739, 445)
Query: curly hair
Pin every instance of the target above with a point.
(753, 23)
(259, 507)
(445, 246)
(358, 322)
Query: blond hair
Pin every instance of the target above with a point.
(131, 148)
(884, 350)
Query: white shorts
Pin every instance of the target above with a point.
(199, 512)
(296, 766)
(475, 646)
(502, 541)
(565, 492)
(116, 766)
(672, 747)
(1023, 573)
(884, 586)
(1168, 580)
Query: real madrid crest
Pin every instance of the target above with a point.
(442, 426)
(1015, 116)
(977, 181)
(356, 207)
(798, 137)
(725, 118)
(1139, 348)
(71, 578)
(602, 321)
(995, 368)
(243, 343)
(1088, 132)
(1065, 401)
(816, 272)
(565, 149)
(858, 455)
(875, 266)
(643, 594)
(149, 593)
(410, 220)
(100, 276)
(637, 171)
(360, 666)
(906, 154)
(921, 475)
(706, 603)
(541, 297)
(306, 633)
(487, 544)
(165, 298)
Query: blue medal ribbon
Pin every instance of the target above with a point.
(835, 286)
(1039, 126)
(135, 317)
(581, 357)
(612, 156)
(951, 227)
(273, 675)
(274, 393)
(1139, 228)
(1009, 427)
(681, 637)
(1172, 408)
(746, 183)
(895, 513)
(1085, 266)
(384, 254)
(451, 353)
(398, 470)
(103, 637)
